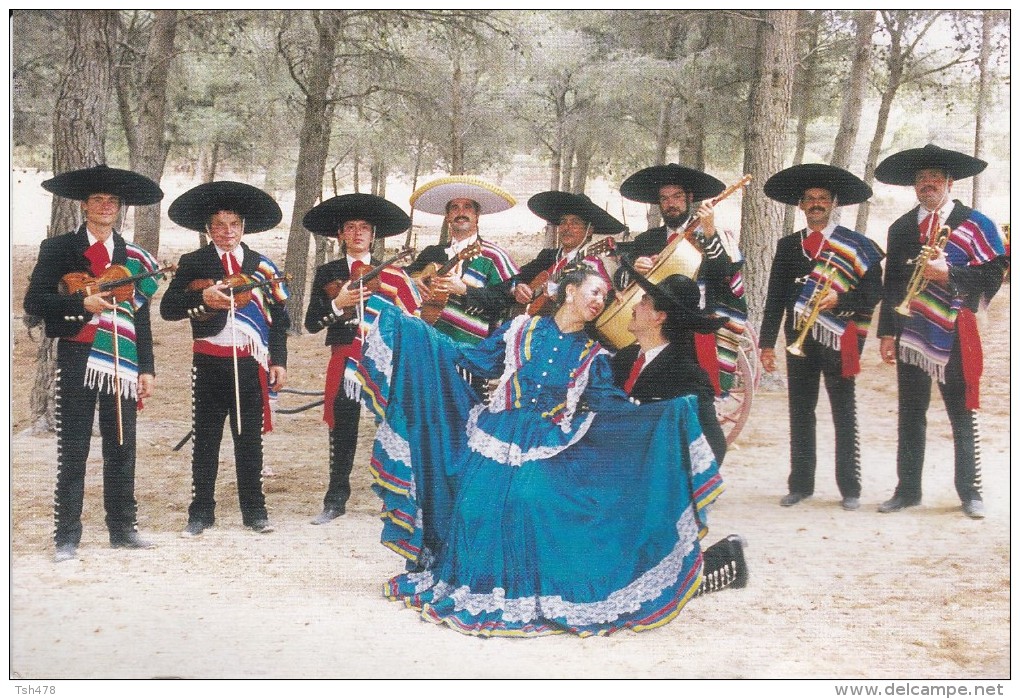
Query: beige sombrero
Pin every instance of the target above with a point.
(433, 197)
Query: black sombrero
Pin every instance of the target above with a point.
(193, 208)
(329, 216)
(680, 297)
(644, 185)
(551, 206)
(901, 168)
(787, 186)
(132, 188)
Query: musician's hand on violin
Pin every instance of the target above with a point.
(937, 269)
(706, 218)
(97, 303)
(887, 348)
(768, 359)
(277, 377)
(829, 301)
(522, 293)
(645, 264)
(215, 298)
(146, 386)
(351, 295)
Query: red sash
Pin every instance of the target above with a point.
(708, 358)
(208, 348)
(334, 377)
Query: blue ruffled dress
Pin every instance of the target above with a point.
(557, 507)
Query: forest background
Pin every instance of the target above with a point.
(311, 103)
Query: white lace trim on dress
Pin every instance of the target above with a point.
(511, 454)
(627, 600)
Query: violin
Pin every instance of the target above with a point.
(239, 285)
(432, 308)
(363, 275)
(116, 279)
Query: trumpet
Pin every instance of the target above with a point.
(814, 306)
(917, 281)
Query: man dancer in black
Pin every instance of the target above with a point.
(661, 365)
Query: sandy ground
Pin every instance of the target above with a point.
(833, 594)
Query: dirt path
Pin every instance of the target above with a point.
(924, 593)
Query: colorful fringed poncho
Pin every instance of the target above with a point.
(845, 258)
(928, 333)
(113, 365)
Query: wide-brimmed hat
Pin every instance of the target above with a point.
(132, 188)
(680, 297)
(551, 206)
(329, 216)
(901, 168)
(787, 186)
(193, 208)
(644, 185)
(433, 197)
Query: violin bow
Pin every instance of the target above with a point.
(233, 352)
(116, 378)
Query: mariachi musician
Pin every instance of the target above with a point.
(576, 218)
(455, 280)
(826, 280)
(104, 348)
(946, 261)
(337, 303)
(240, 341)
(676, 190)
(469, 312)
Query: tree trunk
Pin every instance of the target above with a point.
(896, 63)
(771, 91)
(670, 49)
(853, 98)
(412, 239)
(79, 141)
(984, 90)
(312, 150)
(662, 137)
(379, 189)
(83, 99)
(568, 165)
(691, 143)
(456, 127)
(555, 168)
(805, 100)
(149, 157)
(213, 163)
(356, 170)
(583, 153)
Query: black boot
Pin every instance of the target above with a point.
(342, 448)
(724, 565)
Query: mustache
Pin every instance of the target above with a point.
(817, 208)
